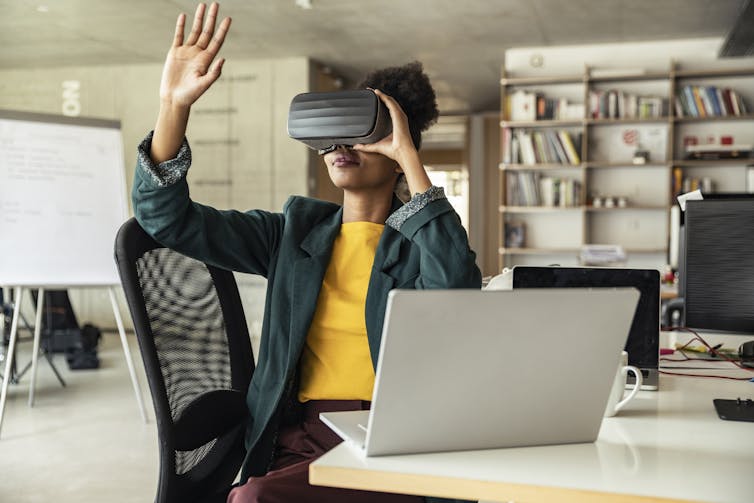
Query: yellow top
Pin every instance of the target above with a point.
(336, 363)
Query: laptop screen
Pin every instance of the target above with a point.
(644, 338)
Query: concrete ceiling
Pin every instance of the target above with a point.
(460, 42)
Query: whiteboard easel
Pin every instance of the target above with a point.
(62, 201)
(19, 291)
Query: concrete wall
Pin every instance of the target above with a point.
(242, 155)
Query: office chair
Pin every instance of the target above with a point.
(195, 345)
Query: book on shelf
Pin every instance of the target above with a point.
(527, 188)
(615, 104)
(541, 147)
(570, 147)
(698, 103)
(526, 147)
(529, 106)
(515, 151)
(709, 101)
(507, 142)
(559, 151)
(522, 189)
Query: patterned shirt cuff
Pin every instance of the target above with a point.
(166, 173)
(411, 208)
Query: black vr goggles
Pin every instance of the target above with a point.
(323, 121)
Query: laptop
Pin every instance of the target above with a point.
(475, 369)
(643, 343)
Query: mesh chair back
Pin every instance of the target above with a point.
(195, 345)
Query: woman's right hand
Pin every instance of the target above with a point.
(190, 67)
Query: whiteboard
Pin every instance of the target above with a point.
(62, 200)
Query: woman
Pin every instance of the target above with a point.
(329, 268)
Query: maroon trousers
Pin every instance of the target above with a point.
(299, 445)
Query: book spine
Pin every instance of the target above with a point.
(678, 107)
(594, 105)
(742, 105)
(541, 107)
(712, 97)
(728, 101)
(698, 102)
(603, 105)
(612, 105)
(735, 102)
(709, 110)
(527, 148)
(690, 101)
(552, 154)
(540, 148)
(507, 156)
(573, 155)
(560, 155)
(724, 110)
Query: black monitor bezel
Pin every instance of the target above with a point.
(647, 281)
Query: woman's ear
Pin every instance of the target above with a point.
(401, 189)
(397, 168)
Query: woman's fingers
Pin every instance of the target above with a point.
(178, 38)
(219, 38)
(381, 147)
(390, 102)
(213, 73)
(196, 28)
(209, 27)
(397, 115)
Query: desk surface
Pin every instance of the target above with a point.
(666, 445)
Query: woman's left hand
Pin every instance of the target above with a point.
(398, 143)
(399, 146)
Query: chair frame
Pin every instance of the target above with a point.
(205, 482)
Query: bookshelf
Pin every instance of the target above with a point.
(618, 200)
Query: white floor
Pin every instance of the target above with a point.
(83, 443)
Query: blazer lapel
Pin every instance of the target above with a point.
(380, 283)
(308, 273)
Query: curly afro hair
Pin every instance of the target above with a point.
(410, 87)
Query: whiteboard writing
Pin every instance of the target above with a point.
(62, 200)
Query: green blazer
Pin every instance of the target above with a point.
(292, 250)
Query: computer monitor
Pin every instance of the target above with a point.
(643, 339)
(718, 264)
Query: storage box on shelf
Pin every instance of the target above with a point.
(597, 158)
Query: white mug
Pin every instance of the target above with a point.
(616, 401)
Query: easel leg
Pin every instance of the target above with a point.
(37, 337)
(127, 353)
(11, 351)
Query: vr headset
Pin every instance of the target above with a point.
(323, 121)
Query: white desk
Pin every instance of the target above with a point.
(666, 445)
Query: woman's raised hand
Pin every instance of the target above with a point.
(191, 67)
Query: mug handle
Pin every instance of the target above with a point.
(625, 370)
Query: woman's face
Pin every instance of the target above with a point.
(353, 170)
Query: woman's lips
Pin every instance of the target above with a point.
(343, 161)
